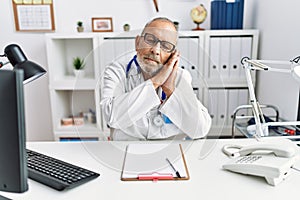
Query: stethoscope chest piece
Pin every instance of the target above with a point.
(158, 121)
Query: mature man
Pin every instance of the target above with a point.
(149, 97)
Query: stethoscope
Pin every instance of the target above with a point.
(159, 119)
(133, 60)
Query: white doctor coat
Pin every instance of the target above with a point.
(130, 105)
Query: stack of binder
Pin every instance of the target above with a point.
(227, 14)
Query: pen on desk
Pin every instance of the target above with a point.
(177, 173)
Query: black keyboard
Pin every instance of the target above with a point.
(56, 173)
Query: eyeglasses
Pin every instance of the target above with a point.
(164, 45)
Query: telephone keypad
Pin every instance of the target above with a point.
(248, 159)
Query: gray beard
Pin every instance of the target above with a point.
(148, 71)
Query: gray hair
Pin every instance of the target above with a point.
(159, 19)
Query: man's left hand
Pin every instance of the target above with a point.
(169, 85)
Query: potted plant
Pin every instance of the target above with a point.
(78, 64)
(126, 27)
(80, 26)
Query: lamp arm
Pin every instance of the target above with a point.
(278, 62)
(258, 115)
(259, 65)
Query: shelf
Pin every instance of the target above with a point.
(86, 128)
(62, 49)
(66, 103)
(233, 32)
(73, 137)
(221, 131)
(228, 83)
(73, 83)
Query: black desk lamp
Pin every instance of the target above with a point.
(13, 160)
(19, 61)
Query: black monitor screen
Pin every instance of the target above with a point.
(13, 161)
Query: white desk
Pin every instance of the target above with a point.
(208, 179)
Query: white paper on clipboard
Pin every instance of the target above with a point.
(151, 159)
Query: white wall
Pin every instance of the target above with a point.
(274, 42)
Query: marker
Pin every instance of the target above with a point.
(177, 173)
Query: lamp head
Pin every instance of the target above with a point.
(296, 72)
(295, 68)
(19, 61)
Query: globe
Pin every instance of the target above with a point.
(198, 15)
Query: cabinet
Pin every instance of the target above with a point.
(225, 85)
(71, 96)
(211, 57)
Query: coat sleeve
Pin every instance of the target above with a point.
(120, 107)
(185, 110)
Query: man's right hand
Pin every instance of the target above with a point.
(160, 78)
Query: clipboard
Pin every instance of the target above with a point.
(148, 162)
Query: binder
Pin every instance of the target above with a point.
(213, 105)
(233, 103)
(224, 57)
(229, 8)
(240, 14)
(217, 106)
(222, 106)
(235, 16)
(148, 162)
(183, 48)
(223, 15)
(235, 57)
(215, 58)
(193, 56)
(227, 14)
(215, 15)
(243, 100)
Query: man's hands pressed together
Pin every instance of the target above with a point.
(167, 75)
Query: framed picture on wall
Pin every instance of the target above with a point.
(102, 24)
(34, 15)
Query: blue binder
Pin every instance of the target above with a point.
(241, 14)
(229, 18)
(223, 15)
(235, 15)
(227, 15)
(214, 15)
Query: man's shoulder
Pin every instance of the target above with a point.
(116, 66)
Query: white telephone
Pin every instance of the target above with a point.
(270, 160)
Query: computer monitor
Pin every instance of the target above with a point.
(13, 160)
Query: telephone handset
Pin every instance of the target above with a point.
(270, 160)
(281, 150)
